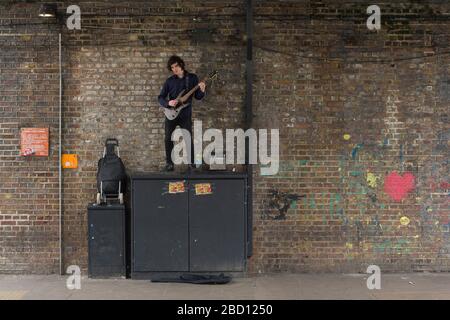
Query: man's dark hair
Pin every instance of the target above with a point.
(175, 59)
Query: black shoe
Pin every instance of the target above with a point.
(168, 167)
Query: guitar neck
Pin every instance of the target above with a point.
(190, 92)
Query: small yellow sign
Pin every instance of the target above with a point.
(203, 188)
(176, 187)
(69, 161)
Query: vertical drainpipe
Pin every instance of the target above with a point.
(248, 122)
(59, 162)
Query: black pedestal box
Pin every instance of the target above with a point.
(106, 225)
(188, 223)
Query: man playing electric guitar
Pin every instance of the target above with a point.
(180, 82)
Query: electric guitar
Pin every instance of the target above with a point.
(173, 112)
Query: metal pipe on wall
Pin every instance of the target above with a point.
(59, 161)
(248, 122)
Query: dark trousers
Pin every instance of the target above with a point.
(170, 125)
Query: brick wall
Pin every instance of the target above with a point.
(346, 123)
(29, 95)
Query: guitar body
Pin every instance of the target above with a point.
(173, 112)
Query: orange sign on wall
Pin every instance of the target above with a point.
(34, 142)
(69, 161)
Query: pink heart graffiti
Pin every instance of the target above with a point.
(397, 187)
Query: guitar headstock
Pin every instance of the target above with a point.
(213, 75)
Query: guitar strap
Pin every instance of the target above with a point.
(187, 81)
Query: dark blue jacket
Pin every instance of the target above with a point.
(174, 85)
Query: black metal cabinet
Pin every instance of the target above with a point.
(217, 226)
(160, 227)
(106, 243)
(188, 223)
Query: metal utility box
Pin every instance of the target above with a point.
(188, 223)
(160, 227)
(106, 241)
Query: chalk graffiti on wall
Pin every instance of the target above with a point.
(362, 197)
(278, 203)
(355, 150)
(443, 141)
(397, 186)
(395, 246)
(404, 221)
(439, 186)
(372, 180)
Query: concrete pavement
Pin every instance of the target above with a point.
(276, 286)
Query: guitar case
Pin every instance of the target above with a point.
(195, 279)
(111, 173)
